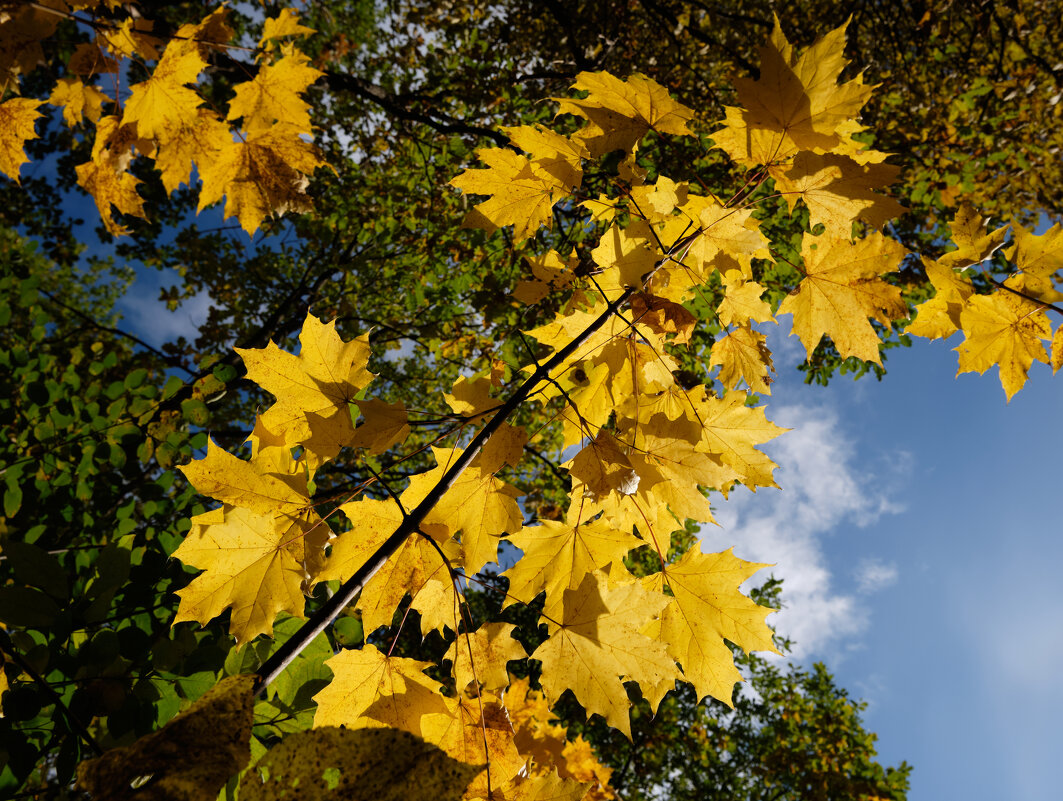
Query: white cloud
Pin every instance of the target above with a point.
(873, 575)
(822, 493)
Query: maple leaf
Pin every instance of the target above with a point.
(212, 736)
(555, 156)
(112, 187)
(255, 485)
(78, 101)
(705, 610)
(557, 555)
(974, 243)
(838, 191)
(482, 656)
(371, 690)
(262, 175)
(731, 429)
(602, 467)
(519, 195)
(663, 316)
(477, 504)
(161, 102)
(1006, 330)
(841, 290)
(628, 253)
(313, 389)
(656, 202)
(195, 140)
(741, 301)
(274, 95)
(939, 317)
(336, 763)
(17, 122)
(1040, 258)
(88, 60)
(795, 104)
(545, 786)
(743, 355)
(479, 733)
(254, 563)
(550, 274)
(24, 27)
(286, 23)
(597, 645)
(372, 522)
(386, 424)
(619, 113)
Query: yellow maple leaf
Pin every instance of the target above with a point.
(195, 140)
(370, 691)
(974, 242)
(1006, 330)
(519, 195)
(482, 656)
(18, 118)
(1040, 258)
(743, 355)
(731, 430)
(662, 317)
(78, 101)
(672, 466)
(130, 38)
(795, 104)
(627, 255)
(255, 485)
(477, 504)
(316, 386)
(619, 113)
(386, 424)
(372, 522)
(838, 191)
(112, 187)
(479, 733)
(842, 289)
(705, 610)
(254, 563)
(211, 33)
(552, 154)
(741, 301)
(557, 555)
(939, 317)
(597, 645)
(160, 103)
(286, 23)
(550, 273)
(274, 95)
(543, 786)
(264, 174)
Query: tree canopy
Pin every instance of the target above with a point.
(537, 268)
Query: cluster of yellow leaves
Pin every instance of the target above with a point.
(257, 155)
(644, 449)
(1008, 326)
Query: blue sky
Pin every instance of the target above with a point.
(917, 532)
